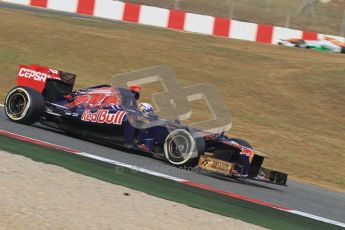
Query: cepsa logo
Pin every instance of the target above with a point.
(29, 73)
(103, 116)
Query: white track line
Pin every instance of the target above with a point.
(132, 167)
(154, 173)
(147, 171)
(319, 218)
(88, 155)
(1, 105)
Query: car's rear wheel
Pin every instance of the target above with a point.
(24, 105)
(180, 148)
(342, 50)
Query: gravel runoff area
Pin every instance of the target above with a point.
(35, 195)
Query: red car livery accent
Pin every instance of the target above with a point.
(35, 76)
(103, 116)
(97, 97)
(247, 152)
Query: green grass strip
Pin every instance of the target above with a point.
(227, 206)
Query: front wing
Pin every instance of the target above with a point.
(224, 168)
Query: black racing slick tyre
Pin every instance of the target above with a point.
(24, 105)
(180, 148)
(300, 44)
(342, 50)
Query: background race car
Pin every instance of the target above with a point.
(327, 44)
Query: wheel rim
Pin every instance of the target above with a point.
(178, 147)
(17, 104)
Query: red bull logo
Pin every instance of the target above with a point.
(103, 117)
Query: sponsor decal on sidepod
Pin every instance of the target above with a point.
(103, 116)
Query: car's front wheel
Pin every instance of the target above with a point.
(24, 105)
(180, 148)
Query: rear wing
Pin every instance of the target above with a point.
(50, 82)
(36, 76)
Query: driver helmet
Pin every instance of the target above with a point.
(147, 110)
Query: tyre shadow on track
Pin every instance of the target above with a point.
(150, 155)
(243, 181)
(89, 140)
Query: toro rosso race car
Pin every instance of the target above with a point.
(112, 115)
(327, 44)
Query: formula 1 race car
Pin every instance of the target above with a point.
(327, 44)
(111, 115)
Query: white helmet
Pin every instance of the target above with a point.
(147, 110)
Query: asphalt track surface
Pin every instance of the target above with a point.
(302, 197)
(314, 200)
